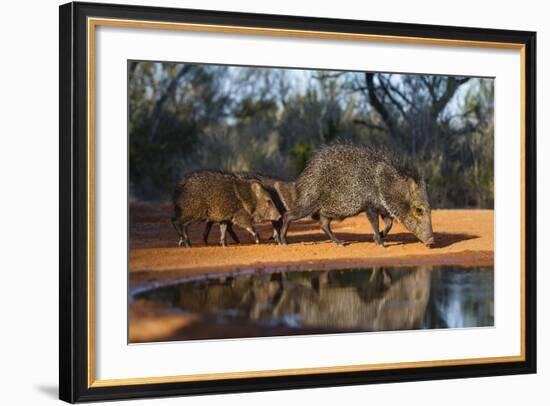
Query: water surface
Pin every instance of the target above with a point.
(347, 300)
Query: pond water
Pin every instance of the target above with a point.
(347, 300)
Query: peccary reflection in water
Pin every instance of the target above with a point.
(380, 304)
(367, 300)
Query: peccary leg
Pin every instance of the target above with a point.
(287, 218)
(325, 226)
(244, 222)
(372, 215)
(388, 220)
(232, 233)
(276, 230)
(223, 239)
(176, 224)
(181, 229)
(208, 228)
(185, 237)
(207, 231)
(254, 233)
(182, 232)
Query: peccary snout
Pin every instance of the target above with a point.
(418, 218)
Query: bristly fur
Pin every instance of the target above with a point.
(403, 165)
(213, 172)
(220, 197)
(282, 192)
(342, 180)
(351, 169)
(261, 175)
(180, 186)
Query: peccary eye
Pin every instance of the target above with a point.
(419, 211)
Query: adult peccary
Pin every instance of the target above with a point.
(283, 195)
(343, 180)
(223, 198)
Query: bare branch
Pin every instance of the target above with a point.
(440, 103)
(430, 86)
(380, 108)
(384, 86)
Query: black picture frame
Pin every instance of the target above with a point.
(74, 200)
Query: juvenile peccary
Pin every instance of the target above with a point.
(221, 198)
(343, 180)
(283, 195)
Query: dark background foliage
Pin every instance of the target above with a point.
(184, 117)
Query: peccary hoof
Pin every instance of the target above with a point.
(182, 243)
(379, 241)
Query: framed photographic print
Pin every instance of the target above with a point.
(256, 202)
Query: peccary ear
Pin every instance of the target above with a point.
(412, 184)
(257, 189)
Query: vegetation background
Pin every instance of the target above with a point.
(184, 117)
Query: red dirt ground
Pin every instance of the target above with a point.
(463, 237)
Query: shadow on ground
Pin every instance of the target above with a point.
(153, 229)
(314, 234)
(442, 240)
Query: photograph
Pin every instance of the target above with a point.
(252, 201)
(267, 201)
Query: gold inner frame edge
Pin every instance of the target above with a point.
(93, 22)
